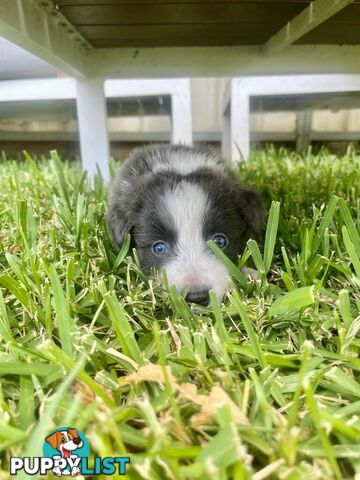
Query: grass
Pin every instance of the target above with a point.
(264, 386)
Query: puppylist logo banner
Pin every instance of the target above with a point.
(65, 453)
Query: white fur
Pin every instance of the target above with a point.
(194, 266)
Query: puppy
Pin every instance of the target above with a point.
(65, 441)
(172, 200)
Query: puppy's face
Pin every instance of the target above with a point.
(65, 441)
(177, 216)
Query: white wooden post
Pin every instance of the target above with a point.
(241, 89)
(240, 122)
(181, 118)
(92, 119)
(226, 133)
(303, 130)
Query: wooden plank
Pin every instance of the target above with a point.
(350, 14)
(140, 43)
(274, 85)
(61, 3)
(177, 35)
(211, 42)
(256, 136)
(221, 61)
(309, 18)
(38, 90)
(180, 13)
(332, 33)
(26, 24)
(61, 136)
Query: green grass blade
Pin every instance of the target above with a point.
(316, 417)
(351, 250)
(62, 311)
(328, 216)
(256, 255)
(236, 301)
(123, 251)
(62, 184)
(271, 232)
(293, 301)
(350, 225)
(232, 268)
(123, 329)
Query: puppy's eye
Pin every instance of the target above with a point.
(159, 248)
(220, 240)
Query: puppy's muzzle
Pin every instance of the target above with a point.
(201, 297)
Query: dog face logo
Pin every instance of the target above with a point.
(66, 445)
(66, 441)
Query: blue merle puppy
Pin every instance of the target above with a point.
(172, 200)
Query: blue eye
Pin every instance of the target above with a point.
(159, 248)
(220, 240)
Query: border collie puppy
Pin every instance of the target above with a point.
(172, 200)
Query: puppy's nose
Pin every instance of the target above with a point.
(77, 441)
(201, 297)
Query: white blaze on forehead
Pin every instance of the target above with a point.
(187, 205)
(193, 266)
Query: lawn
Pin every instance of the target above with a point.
(264, 386)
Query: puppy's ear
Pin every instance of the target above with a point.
(251, 209)
(73, 432)
(123, 205)
(118, 222)
(54, 439)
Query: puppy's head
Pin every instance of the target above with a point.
(171, 217)
(65, 441)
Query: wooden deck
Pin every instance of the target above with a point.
(177, 38)
(158, 23)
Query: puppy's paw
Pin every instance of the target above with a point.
(75, 471)
(251, 273)
(56, 471)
